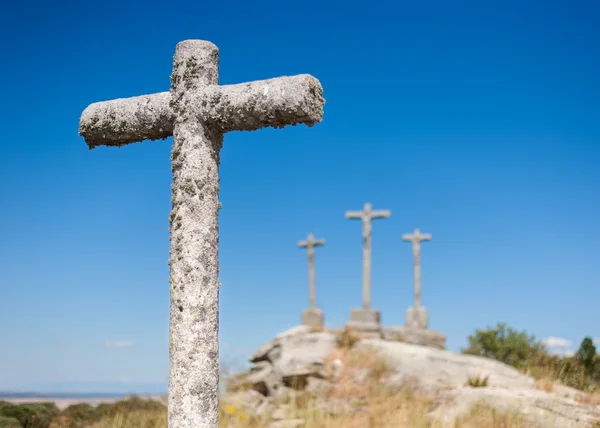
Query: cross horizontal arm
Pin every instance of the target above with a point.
(249, 106)
(354, 214)
(381, 214)
(316, 243)
(424, 237)
(274, 102)
(127, 120)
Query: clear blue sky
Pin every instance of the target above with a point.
(477, 122)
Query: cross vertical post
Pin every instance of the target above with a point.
(197, 112)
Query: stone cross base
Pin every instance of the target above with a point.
(313, 318)
(365, 321)
(417, 318)
(414, 336)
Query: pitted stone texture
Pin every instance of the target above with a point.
(415, 336)
(313, 318)
(194, 315)
(417, 318)
(196, 111)
(287, 100)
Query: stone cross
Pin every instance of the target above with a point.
(416, 239)
(366, 215)
(310, 245)
(197, 112)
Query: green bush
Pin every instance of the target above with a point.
(477, 381)
(33, 415)
(505, 344)
(80, 415)
(6, 422)
(586, 355)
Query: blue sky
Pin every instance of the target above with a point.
(474, 121)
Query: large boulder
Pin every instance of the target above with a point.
(290, 359)
(437, 368)
(543, 409)
(415, 336)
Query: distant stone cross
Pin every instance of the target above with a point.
(416, 239)
(310, 245)
(197, 112)
(366, 215)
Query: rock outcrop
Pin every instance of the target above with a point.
(301, 361)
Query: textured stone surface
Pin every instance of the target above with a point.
(366, 215)
(304, 355)
(365, 321)
(269, 348)
(415, 336)
(313, 318)
(197, 112)
(310, 245)
(417, 317)
(287, 100)
(543, 409)
(292, 357)
(437, 368)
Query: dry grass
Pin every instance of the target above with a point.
(398, 411)
(545, 384)
(592, 398)
(485, 416)
(135, 419)
(348, 338)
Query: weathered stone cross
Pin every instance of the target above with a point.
(366, 215)
(310, 245)
(197, 112)
(417, 317)
(416, 239)
(312, 317)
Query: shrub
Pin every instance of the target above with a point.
(35, 415)
(477, 381)
(80, 415)
(6, 422)
(505, 344)
(586, 355)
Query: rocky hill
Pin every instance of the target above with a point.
(304, 377)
